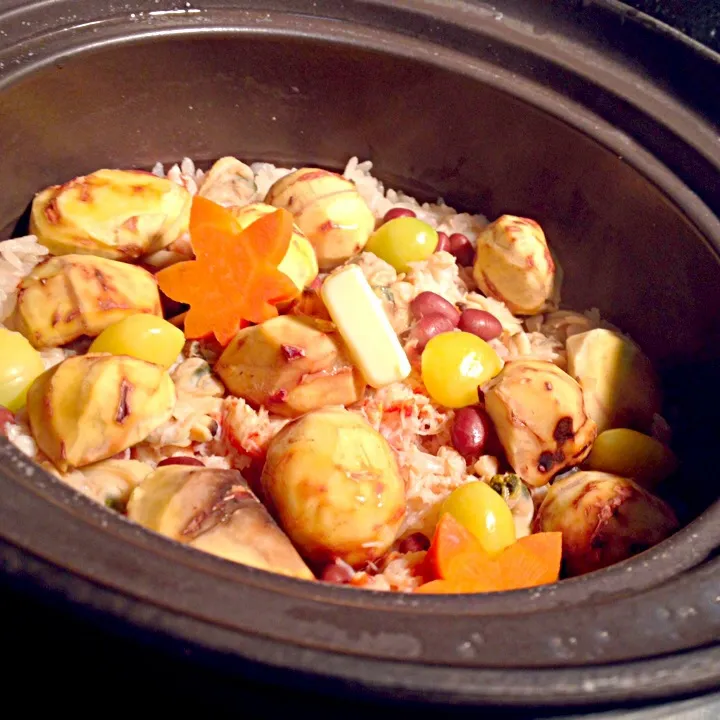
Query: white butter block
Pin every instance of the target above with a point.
(361, 321)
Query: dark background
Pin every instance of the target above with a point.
(700, 19)
(58, 660)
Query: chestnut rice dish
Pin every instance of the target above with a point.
(311, 374)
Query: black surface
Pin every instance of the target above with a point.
(699, 19)
(76, 663)
(69, 655)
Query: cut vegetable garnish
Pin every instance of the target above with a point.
(365, 328)
(457, 563)
(450, 543)
(234, 279)
(532, 560)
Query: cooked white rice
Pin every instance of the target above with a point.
(17, 258)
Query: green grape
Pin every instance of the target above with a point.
(484, 513)
(142, 336)
(402, 241)
(20, 364)
(455, 365)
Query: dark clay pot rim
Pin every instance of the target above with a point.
(296, 631)
(310, 669)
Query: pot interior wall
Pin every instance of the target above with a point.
(623, 246)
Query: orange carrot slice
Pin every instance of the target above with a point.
(533, 560)
(234, 279)
(445, 587)
(529, 562)
(452, 545)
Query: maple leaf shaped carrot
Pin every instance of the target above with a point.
(234, 279)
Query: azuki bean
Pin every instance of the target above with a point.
(430, 303)
(443, 243)
(470, 431)
(462, 249)
(481, 323)
(428, 327)
(398, 212)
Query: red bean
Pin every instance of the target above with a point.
(430, 303)
(470, 431)
(428, 327)
(397, 213)
(462, 249)
(181, 460)
(480, 323)
(414, 543)
(6, 416)
(337, 572)
(443, 242)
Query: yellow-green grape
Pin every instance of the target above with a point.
(402, 241)
(142, 336)
(484, 513)
(455, 365)
(631, 454)
(20, 364)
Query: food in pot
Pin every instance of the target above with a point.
(603, 519)
(214, 510)
(322, 378)
(403, 240)
(632, 454)
(540, 418)
(519, 499)
(69, 296)
(454, 365)
(229, 182)
(91, 407)
(300, 262)
(328, 209)
(335, 485)
(142, 336)
(291, 366)
(109, 482)
(485, 513)
(20, 365)
(513, 264)
(618, 380)
(115, 214)
(365, 328)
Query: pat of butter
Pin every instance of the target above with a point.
(361, 321)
